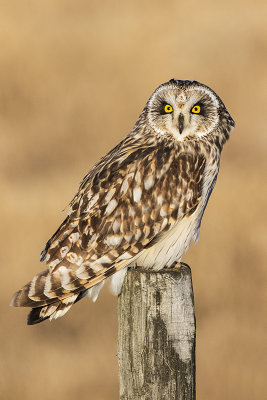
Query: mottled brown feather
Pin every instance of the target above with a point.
(131, 197)
(94, 226)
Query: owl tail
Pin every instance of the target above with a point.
(51, 295)
(33, 295)
(59, 308)
(52, 311)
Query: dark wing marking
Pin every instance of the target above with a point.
(119, 210)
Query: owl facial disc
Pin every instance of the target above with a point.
(195, 110)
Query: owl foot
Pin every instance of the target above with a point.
(178, 265)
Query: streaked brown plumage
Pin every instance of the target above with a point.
(150, 188)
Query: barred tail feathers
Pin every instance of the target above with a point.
(52, 311)
(60, 308)
(50, 296)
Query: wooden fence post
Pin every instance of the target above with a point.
(156, 338)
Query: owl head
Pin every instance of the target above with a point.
(187, 109)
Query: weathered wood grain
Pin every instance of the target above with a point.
(156, 339)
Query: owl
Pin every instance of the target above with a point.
(140, 205)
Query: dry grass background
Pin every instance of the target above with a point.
(74, 76)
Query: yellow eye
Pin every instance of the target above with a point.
(168, 108)
(196, 109)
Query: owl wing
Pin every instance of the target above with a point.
(123, 204)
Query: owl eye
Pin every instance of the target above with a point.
(196, 109)
(168, 108)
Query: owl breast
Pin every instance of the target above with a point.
(171, 245)
(175, 242)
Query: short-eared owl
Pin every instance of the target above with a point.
(140, 205)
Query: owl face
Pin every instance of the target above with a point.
(184, 109)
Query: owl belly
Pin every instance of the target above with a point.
(171, 246)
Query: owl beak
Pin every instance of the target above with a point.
(181, 123)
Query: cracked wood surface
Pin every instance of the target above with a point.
(156, 339)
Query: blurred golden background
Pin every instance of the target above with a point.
(74, 77)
